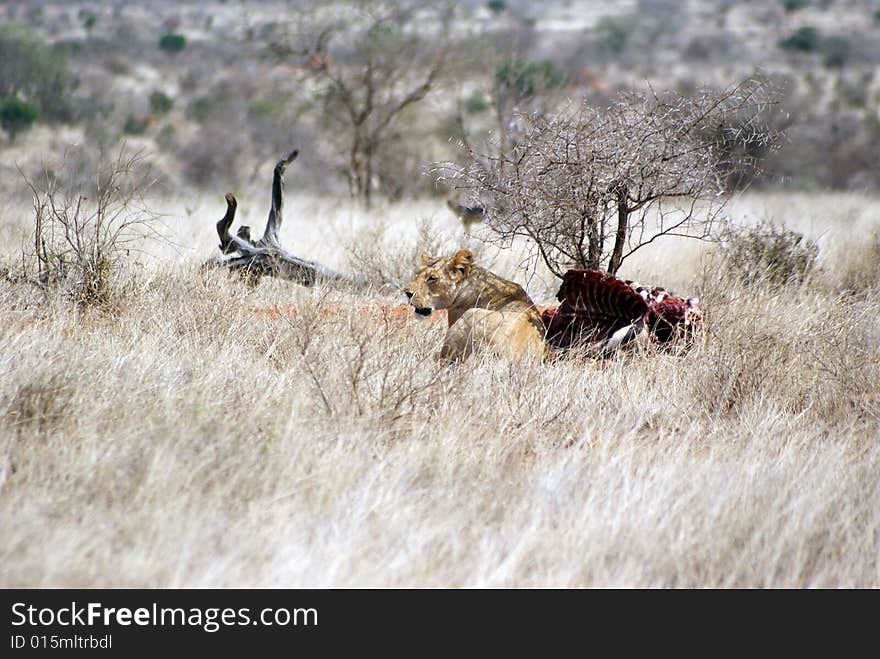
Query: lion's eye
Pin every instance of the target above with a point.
(432, 279)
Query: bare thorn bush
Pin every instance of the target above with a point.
(589, 186)
(347, 373)
(86, 224)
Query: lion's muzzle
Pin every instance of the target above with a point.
(421, 311)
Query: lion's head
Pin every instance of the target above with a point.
(436, 282)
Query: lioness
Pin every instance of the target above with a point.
(483, 309)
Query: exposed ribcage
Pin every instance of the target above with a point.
(593, 306)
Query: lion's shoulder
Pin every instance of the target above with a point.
(492, 291)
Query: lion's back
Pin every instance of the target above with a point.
(515, 331)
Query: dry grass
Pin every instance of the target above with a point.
(183, 440)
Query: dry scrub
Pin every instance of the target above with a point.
(181, 439)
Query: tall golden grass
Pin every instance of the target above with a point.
(179, 437)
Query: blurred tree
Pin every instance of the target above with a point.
(514, 82)
(160, 103)
(172, 43)
(615, 33)
(371, 65)
(806, 39)
(16, 115)
(135, 125)
(32, 72)
(476, 103)
(521, 86)
(835, 51)
(89, 21)
(795, 5)
(517, 79)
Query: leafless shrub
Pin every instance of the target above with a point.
(85, 225)
(353, 379)
(768, 254)
(590, 186)
(370, 65)
(806, 353)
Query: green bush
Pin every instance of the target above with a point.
(476, 103)
(17, 115)
(32, 70)
(160, 103)
(526, 79)
(806, 39)
(795, 5)
(172, 43)
(769, 254)
(264, 107)
(205, 107)
(496, 6)
(616, 33)
(134, 125)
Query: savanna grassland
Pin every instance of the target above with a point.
(178, 434)
(163, 424)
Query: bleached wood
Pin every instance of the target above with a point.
(266, 256)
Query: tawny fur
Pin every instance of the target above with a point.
(484, 310)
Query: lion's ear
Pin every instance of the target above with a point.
(426, 260)
(462, 261)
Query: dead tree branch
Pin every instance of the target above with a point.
(266, 256)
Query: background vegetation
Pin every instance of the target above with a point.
(331, 78)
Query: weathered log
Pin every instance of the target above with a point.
(266, 256)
